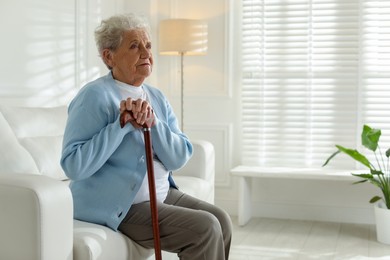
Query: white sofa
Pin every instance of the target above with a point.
(36, 208)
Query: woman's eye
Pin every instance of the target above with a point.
(133, 46)
(148, 46)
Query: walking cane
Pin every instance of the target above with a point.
(152, 187)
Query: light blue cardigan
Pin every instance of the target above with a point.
(107, 163)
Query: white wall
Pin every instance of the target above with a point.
(48, 53)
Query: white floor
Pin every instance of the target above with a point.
(264, 238)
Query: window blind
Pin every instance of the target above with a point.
(313, 72)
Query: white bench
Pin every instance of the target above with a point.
(246, 173)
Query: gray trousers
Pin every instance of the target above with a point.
(192, 228)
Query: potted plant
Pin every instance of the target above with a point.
(378, 175)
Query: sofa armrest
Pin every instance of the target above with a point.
(196, 178)
(36, 218)
(202, 162)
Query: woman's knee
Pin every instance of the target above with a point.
(209, 223)
(223, 220)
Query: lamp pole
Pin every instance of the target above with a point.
(182, 90)
(182, 37)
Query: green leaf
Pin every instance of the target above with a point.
(367, 176)
(370, 137)
(375, 199)
(375, 172)
(355, 155)
(388, 153)
(330, 157)
(357, 182)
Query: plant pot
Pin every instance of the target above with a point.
(382, 219)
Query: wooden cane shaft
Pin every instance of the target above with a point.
(152, 193)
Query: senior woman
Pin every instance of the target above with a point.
(106, 162)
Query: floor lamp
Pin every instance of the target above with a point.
(182, 37)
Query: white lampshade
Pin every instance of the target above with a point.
(183, 37)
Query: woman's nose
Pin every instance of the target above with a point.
(145, 52)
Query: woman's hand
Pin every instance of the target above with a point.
(138, 112)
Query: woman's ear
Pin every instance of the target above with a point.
(107, 57)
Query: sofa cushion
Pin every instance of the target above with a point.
(14, 158)
(40, 131)
(36, 121)
(195, 187)
(95, 242)
(46, 152)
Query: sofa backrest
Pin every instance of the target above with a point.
(31, 140)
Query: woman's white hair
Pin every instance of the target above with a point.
(108, 35)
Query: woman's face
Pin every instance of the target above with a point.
(132, 61)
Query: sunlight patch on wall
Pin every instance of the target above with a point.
(42, 64)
